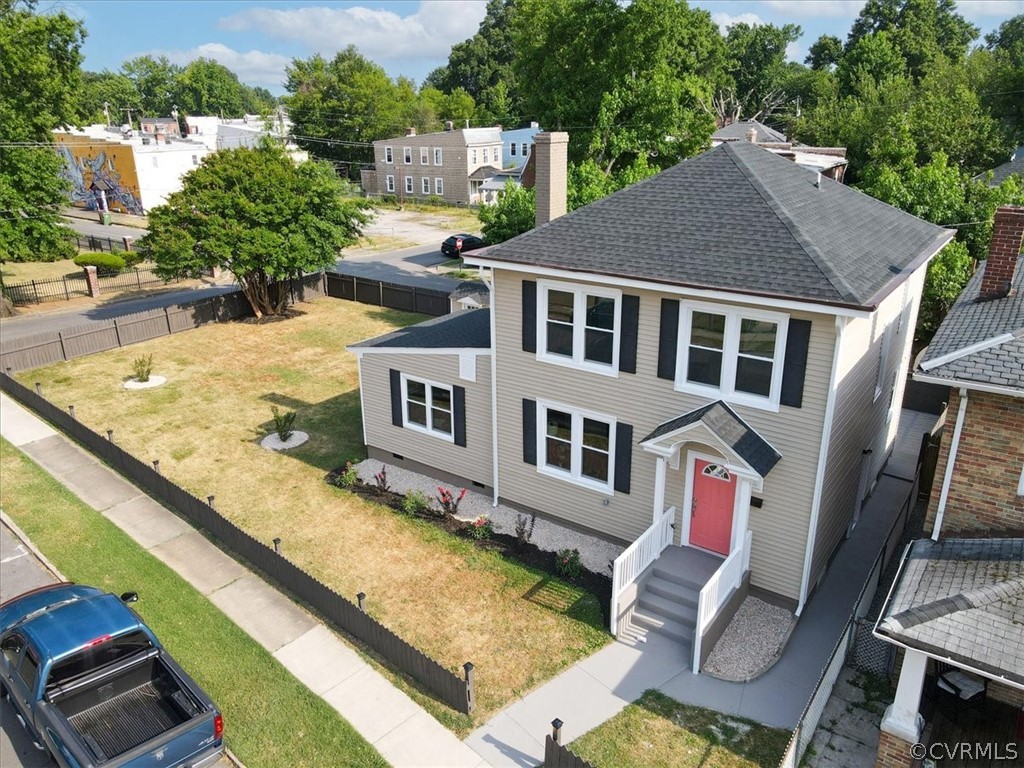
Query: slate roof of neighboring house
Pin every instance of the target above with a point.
(469, 135)
(1015, 165)
(994, 329)
(738, 218)
(722, 421)
(738, 132)
(469, 329)
(962, 599)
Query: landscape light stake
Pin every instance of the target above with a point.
(71, 408)
(9, 371)
(556, 730)
(209, 500)
(110, 435)
(39, 389)
(361, 598)
(156, 465)
(277, 545)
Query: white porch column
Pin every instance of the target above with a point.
(902, 718)
(659, 489)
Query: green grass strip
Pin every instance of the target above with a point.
(271, 719)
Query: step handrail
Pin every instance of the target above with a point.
(717, 590)
(637, 557)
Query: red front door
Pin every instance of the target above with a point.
(714, 493)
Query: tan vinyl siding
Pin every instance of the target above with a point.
(644, 401)
(473, 461)
(859, 421)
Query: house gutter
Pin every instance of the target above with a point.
(948, 477)
(819, 479)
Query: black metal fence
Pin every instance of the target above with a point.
(428, 301)
(102, 244)
(453, 690)
(75, 285)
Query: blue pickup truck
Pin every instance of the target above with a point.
(94, 687)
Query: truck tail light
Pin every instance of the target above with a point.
(218, 725)
(97, 641)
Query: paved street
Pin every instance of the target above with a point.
(95, 229)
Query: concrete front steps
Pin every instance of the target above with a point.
(666, 604)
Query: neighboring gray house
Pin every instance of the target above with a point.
(739, 131)
(451, 165)
(704, 366)
(1012, 167)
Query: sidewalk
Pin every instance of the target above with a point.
(402, 731)
(597, 688)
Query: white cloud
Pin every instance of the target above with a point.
(379, 34)
(724, 20)
(807, 8)
(1004, 8)
(252, 67)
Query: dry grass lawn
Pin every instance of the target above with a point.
(451, 600)
(23, 272)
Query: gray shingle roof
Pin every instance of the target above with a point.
(970, 322)
(1015, 165)
(469, 329)
(737, 218)
(738, 132)
(722, 421)
(962, 599)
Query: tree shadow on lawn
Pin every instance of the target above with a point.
(334, 425)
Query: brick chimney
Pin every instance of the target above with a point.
(551, 157)
(410, 131)
(1003, 253)
(752, 135)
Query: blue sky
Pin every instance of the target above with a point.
(407, 37)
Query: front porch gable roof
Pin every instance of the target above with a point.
(723, 422)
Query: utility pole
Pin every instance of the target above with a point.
(106, 111)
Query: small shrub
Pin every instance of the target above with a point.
(142, 368)
(449, 502)
(349, 477)
(104, 262)
(132, 258)
(567, 563)
(481, 528)
(524, 530)
(283, 423)
(381, 480)
(415, 503)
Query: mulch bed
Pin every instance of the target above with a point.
(505, 544)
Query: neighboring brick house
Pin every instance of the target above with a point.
(450, 164)
(703, 367)
(958, 598)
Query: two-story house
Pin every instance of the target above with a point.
(957, 604)
(516, 145)
(704, 366)
(449, 164)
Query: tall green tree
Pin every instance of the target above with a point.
(824, 53)
(205, 87)
(755, 73)
(113, 89)
(260, 216)
(156, 82)
(1003, 89)
(39, 82)
(512, 215)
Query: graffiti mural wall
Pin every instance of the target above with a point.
(97, 171)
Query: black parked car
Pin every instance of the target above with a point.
(456, 245)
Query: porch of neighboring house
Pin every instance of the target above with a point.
(992, 723)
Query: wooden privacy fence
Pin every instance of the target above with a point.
(557, 756)
(428, 301)
(453, 690)
(20, 354)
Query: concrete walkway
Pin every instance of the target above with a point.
(402, 731)
(598, 687)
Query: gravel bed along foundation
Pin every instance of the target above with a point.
(751, 642)
(596, 554)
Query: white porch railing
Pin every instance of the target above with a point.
(713, 595)
(640, 554)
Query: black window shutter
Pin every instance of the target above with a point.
(623, 456)
(396, 398)
(459, 414)
(627, 338)
(668, 339)
(530, 431)
(797, 338)
(529, 315)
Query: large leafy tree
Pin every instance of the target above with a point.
(513, 214)
(39, 80)
(755, 75)
(1003, 75)
(115, 90)
(155, 81)
(825, 52)
(260, 216)
(205, 87)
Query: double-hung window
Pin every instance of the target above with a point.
(526, 150)
(425, 185)
(437, 155)
(407, 155)
(732, 353)
(408, 185)
(576, 445)
(438, 186)
(579, 326)
(424, 156)
(512, 149)
(389, 154)
(389, 182)
(486, 151)
(427, 407)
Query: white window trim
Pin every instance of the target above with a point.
(438, 186)
(408, 185)
(883, 362)
(424, 156)
(512, 149)
(577, 360)
(437, 156)
(472, 156)
(487, 154)
(449, 438)
(574, 476)
(526, 150)
(407, 155)
(389, 155)
(389, 183)
(1020, 483)
(730, 352)
(425, 185)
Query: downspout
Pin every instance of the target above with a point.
(819, 478)
(948, 477)
(494, 392)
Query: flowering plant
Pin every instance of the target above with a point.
(449, 502)
(381, 479)
(481, 528)
(567, 563)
